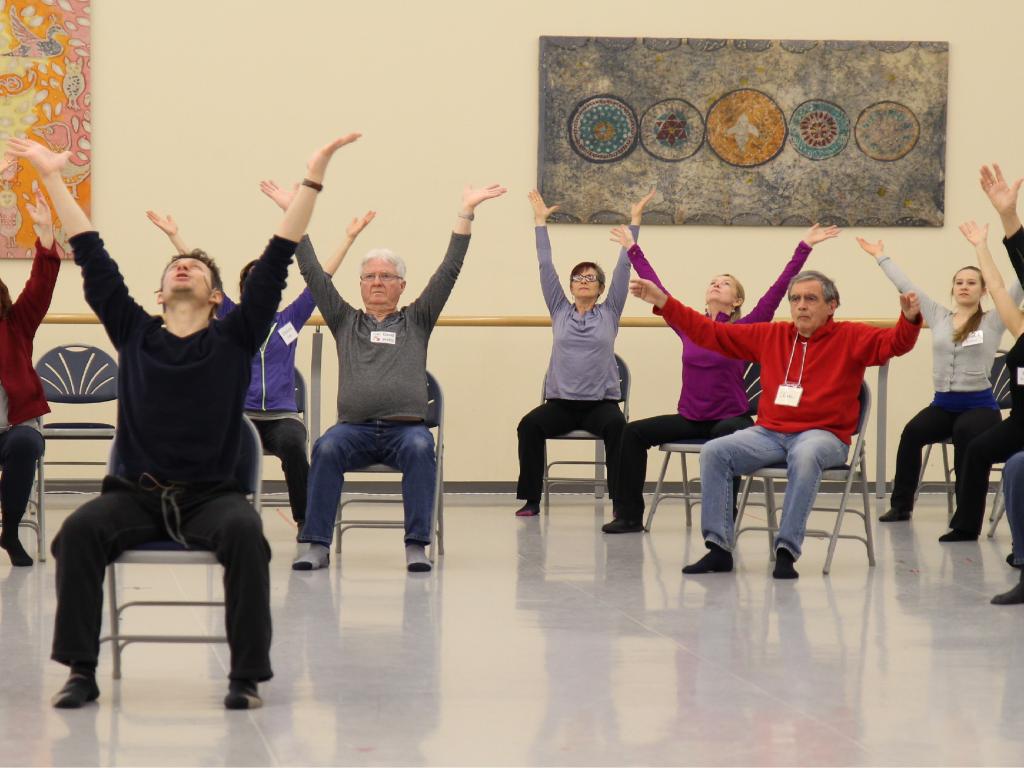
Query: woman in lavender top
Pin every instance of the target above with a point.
(270, 400)
(581, 390)
(713, 401)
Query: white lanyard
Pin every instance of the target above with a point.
(803, 361)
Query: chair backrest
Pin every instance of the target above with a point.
(300, 392)
(78, 373)
(435, 403)
(752, 385)
(865, 407)
(1000, 378)
(248, 470)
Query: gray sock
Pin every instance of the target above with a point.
(315, 557)
(416, 558)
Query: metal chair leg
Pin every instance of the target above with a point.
(657, 493)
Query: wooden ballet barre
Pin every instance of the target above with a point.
(543, 321)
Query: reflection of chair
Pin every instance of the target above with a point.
(435, 421)
(689, 494)
(167, 552)
(1000, 378)
(77, 374)
(855, 470)
(300, 407)
(599, 484)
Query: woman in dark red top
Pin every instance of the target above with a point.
(22, 401)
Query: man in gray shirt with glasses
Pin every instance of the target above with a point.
(382, 387)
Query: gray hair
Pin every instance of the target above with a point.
(828, 288)
(387, 255)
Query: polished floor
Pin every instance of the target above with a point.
(544, 642)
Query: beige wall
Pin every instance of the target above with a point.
(195, 101)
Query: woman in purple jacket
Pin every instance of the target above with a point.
(713, 401)
(270, 401)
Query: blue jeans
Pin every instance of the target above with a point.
(406, 446)
(1013, 491)
(805, 454)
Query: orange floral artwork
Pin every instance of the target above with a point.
(45, 96)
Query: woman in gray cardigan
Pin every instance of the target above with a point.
(964, 343)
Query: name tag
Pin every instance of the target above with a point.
(288, 333)
(789, 395)
(1020, 377)
(382, 337)
(974, 337)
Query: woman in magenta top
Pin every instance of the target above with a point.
(713, 401)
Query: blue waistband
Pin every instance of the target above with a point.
(958, 402)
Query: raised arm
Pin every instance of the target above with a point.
(48, 165)
(1003, 196)
(765, 308)
(876, 346)
(30, 307)
(300, 211)
(1008, 311)
(929, 308)
(550, 286)
(169, 227)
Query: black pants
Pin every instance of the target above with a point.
(556, 417)
(286, 439)
(991, 447)
(933, 425)
(641, 435)
(213, 516)
(20, 448)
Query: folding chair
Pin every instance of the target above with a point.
(77, 374)
(854, 471)
(434, 421)
(167, 552)
(684, 448)
(599, 483)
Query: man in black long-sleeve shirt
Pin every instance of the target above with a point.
(181, 394)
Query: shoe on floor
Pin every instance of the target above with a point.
(895, 516)
(315, 557)
(416, 560)
(78, 690)
(529, 509)
(623, 525)
(243, 694)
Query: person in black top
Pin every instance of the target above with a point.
(1003, 440)
(181, 393)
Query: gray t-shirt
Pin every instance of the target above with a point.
(382, 365)
(962, 366)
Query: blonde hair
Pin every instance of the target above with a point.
(737, 312)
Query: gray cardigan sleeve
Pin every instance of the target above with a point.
(933, 313)
(326, 296)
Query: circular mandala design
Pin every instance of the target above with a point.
(746, 128)
(819, 129)
(671, 130)
(887, 131)
(603, 129)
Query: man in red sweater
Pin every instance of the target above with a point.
(811, 372)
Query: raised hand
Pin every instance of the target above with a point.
(636, 211)
(910, 305)
(357, 225)
(817, 234)
(623, 237)
(283, 197)
(42, 219)
(975, 234)
(541, 211)
(1003, 196)
(42, 159)
(166, 224)
(647, 291)
(316, 166)
(473, 196)
(875, 249)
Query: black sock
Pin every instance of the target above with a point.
(243, 694)
(19, 557)
(1009, 561)
(784, 561)
(80, 687)
(1013, 597)
(956, 534)
(717, 560)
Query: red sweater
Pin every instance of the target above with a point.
(837, 354)
(25, 398)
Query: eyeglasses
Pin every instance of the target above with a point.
(584, 278)
(384, 277)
